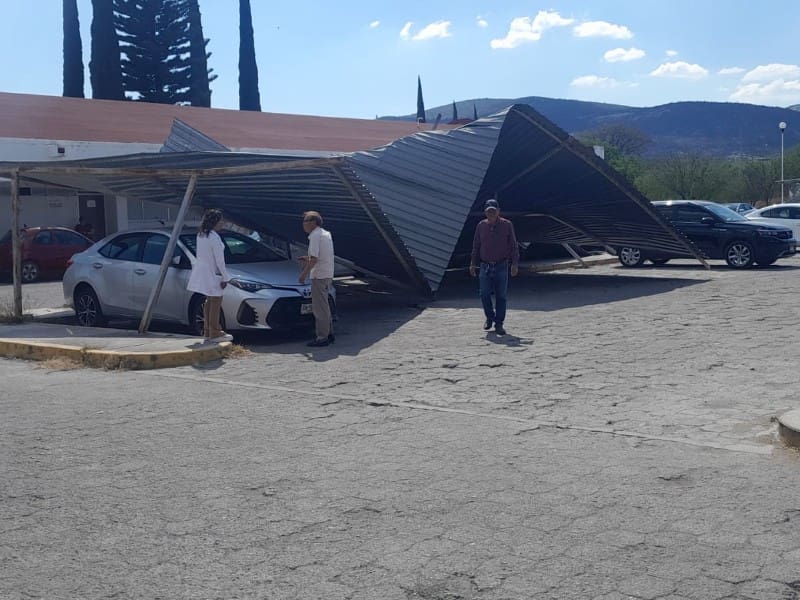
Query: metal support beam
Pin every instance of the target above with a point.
(400, 256)
(16, 246)
(167, 259)
(574, 254)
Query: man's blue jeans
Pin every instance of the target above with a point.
(493, 279)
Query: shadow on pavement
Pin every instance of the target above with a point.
(556, 291)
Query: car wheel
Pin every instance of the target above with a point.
(197, 320)
(739, 255)
(659, 261)
(30, 271)
(630, 257)
(87, 308)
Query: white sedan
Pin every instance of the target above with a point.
(114, 277)
(787, 215)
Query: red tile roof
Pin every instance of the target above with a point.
(77, 119)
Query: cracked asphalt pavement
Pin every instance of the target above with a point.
(619, 443)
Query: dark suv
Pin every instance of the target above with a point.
(718, 232)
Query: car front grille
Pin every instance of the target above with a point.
(285, 314)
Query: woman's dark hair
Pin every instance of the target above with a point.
(210, 219)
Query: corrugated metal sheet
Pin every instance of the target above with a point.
(406, 210)
(184, 138)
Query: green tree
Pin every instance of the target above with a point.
(420, 102)
(455, 111)
(105, 72)
(249, 96)
(685, 176)
(626, 139)
(73, 50)
(201, 76)
(154, 38)
(474, 112)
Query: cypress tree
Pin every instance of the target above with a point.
(154, 37)
(73, 50)
(249, 97)
(474, 112)
(420, 102)
(201, 76)
(104, 67)
(455, 111)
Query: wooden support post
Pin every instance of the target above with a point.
(16, 246)
(165, 262)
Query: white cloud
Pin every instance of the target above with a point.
(772, 72)
(730, 71)
(774, 93)
(375, 24)
(481, 22)
(622, 55)
(680, 70)
(603, 29)
(405, 32)
(594, 81)
(525, 29)
(672, 53)
(440, 29)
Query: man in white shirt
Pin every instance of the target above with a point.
(319, 265)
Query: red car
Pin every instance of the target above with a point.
(45, 251)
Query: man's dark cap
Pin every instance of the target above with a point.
(491, 204)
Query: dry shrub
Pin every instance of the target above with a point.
(238, 351)
(60, 363)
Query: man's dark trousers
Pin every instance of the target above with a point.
(493, 279)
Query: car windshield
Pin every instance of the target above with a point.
(239, 249)
(726, 214)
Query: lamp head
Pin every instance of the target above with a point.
(782, 126)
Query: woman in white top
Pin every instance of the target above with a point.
(209, 275)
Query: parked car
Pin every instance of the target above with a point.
(740, 207)
(45, 251)
(718, 232)
(115, 276)
(787, 215)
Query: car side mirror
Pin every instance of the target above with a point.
(708, 221)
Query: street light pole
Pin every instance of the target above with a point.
(782, 127)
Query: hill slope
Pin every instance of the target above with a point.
(714, 128)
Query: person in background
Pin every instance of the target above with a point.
(84, 228)
(495, 248)
(209, 275)
(319, 265)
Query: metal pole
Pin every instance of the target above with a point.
(781, 166)
(16, 247)
(165, 262)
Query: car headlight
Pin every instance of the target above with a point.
(249, 286)
(769, 232)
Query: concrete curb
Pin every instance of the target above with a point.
(789, 428)
(110, 359)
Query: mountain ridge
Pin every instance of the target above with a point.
(712, 128)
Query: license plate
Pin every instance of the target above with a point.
(305, 309)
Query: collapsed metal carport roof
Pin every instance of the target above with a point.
(402, 210)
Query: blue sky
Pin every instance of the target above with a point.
(361, 58)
